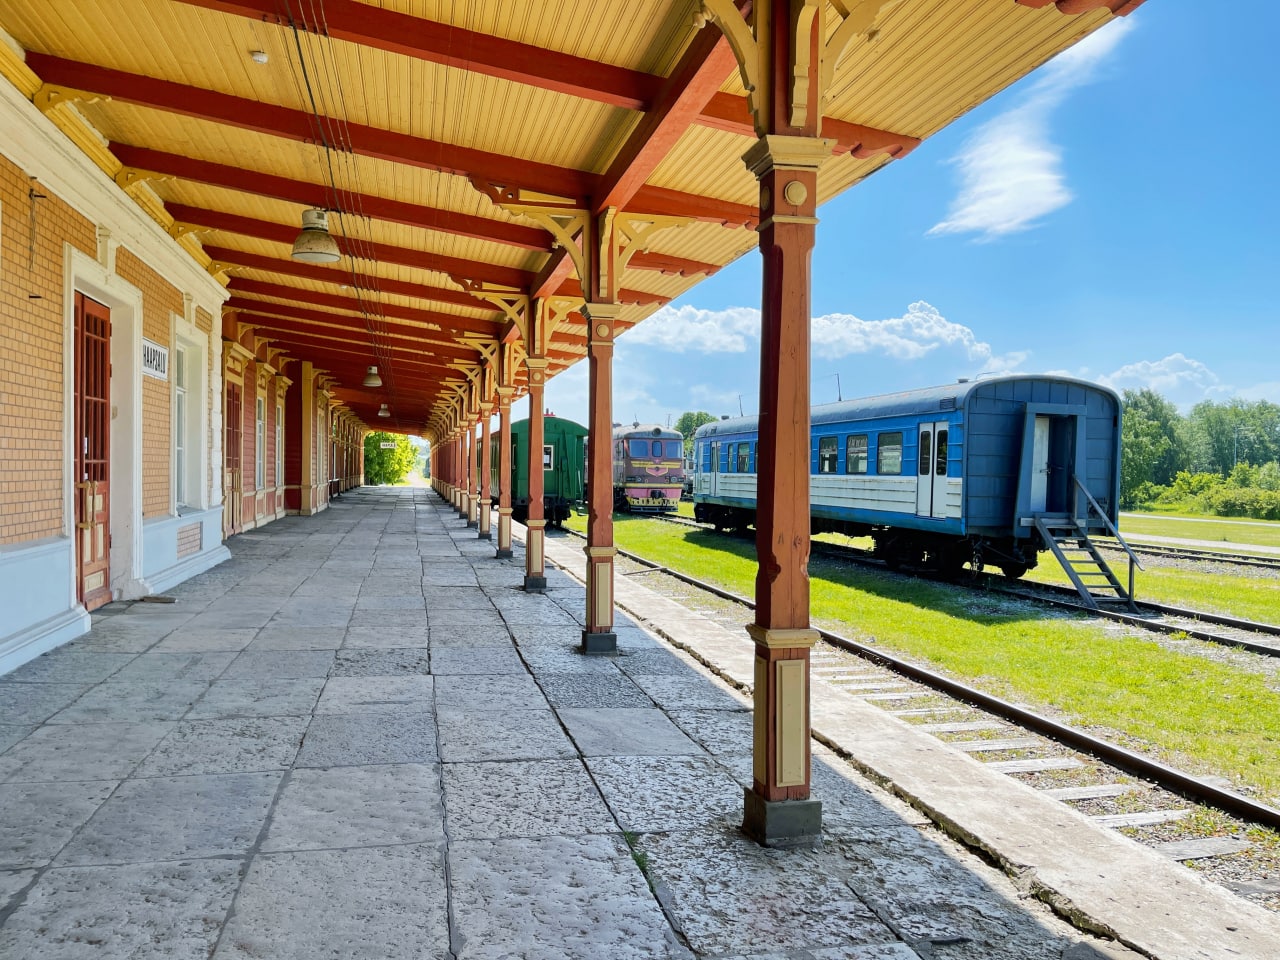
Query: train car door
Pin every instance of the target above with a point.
(92, 406)
(1040, 465)
(715, 467)
(931, 470)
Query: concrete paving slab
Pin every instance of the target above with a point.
(200, 639)
(689, 692)
(145, 911)
(523, 798)
(99, 751)
(501, 692)
(649, 794)
(279, 665)
(650, 661)
(459, 598)
(545, 660)
(376, 695)
(158, 667)
(357, 807)
(369, 738)
(444, 620)
(186, 817)
(64, 665)
(392, 900)
(464, 661)
(387, 638)
(572, 898)
(610, 691)
(630, 732)
(29, 703)
(39, 818)
(463, 635)
(240, 745)
(381, 662)
(469, 735)
(12, 733)
(113, 702)
(12, 883)
(373, 605)
(258, 698)
(719, 732)
(796, 898)
(279, 636)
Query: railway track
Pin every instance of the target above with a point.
(1115, 786)
(1259, 638)
(1190, 553)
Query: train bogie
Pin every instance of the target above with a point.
(941, 477)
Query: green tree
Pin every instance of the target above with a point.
(688, 424)
(1238, 431)
(1146, 407)
(391, 465)
(1142, 445)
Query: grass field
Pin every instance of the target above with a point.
(1205, 716)
(1230, 533)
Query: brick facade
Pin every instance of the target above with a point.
(32, 347)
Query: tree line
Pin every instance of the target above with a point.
(1221, 458)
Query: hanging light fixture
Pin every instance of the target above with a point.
(314, 244)
(383, 411)
(371, 378)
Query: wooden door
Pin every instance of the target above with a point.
(92, 403)
(232, 453)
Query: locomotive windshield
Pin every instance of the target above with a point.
(656, 449)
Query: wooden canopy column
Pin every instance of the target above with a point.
(598, 635)
(786, 56)
(486, 472)
(535, 574)
(504, 472)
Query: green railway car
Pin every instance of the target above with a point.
(564, 446)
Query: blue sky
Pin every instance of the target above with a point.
(1113, 216)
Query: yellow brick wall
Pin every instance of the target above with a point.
(31, 354)
(160, 301)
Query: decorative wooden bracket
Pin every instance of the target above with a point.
(622, 235)
(51, 95)
(751, 45)
(130, 178)
(1071, 8)
(568, 225)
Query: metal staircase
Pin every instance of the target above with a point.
(1068, 539)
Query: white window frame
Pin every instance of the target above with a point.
(279, 444)
(260, 444)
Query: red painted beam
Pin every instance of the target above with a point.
(277, 121)
(342, 277)
(730, 113)
(1121, 8)
(319, 195)
(452, 46)
(446, 322)
(660, 200)
(666, 264)
(345, 329)
(386, 253)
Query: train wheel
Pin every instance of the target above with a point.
(1013, 570)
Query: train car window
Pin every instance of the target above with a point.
(674, 449)
(706, 458)
(826, 454)
(729, 461)
(889, 454)
(855, 454)
(744, 458)
(639, 448)
(755, 458)
(940, 455)
(926, 455)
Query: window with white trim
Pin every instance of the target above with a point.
(180, 426)
(279, 444)
(260, 446)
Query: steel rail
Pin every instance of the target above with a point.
(1188, 553)
(1170, 777)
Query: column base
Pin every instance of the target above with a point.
(504, 554)
(472, 524)
(535, 584)
(599, 644)
(484, 535)
(781, 823)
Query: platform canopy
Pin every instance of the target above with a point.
(433, 131)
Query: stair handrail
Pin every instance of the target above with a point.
(1111, 527)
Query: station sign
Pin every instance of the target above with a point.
(155, 360)
(388, 444)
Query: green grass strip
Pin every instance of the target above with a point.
(1207, 717)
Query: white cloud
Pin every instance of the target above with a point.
(1176, 377)
(1010, 169)
(684, 329)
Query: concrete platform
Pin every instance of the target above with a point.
(361, 738)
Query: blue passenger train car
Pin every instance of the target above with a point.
(940, 476)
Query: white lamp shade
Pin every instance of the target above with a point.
(314, 245)
(383, 411)
(371, 378)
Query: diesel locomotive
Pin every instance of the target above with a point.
(971, 472)
(648, 468)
